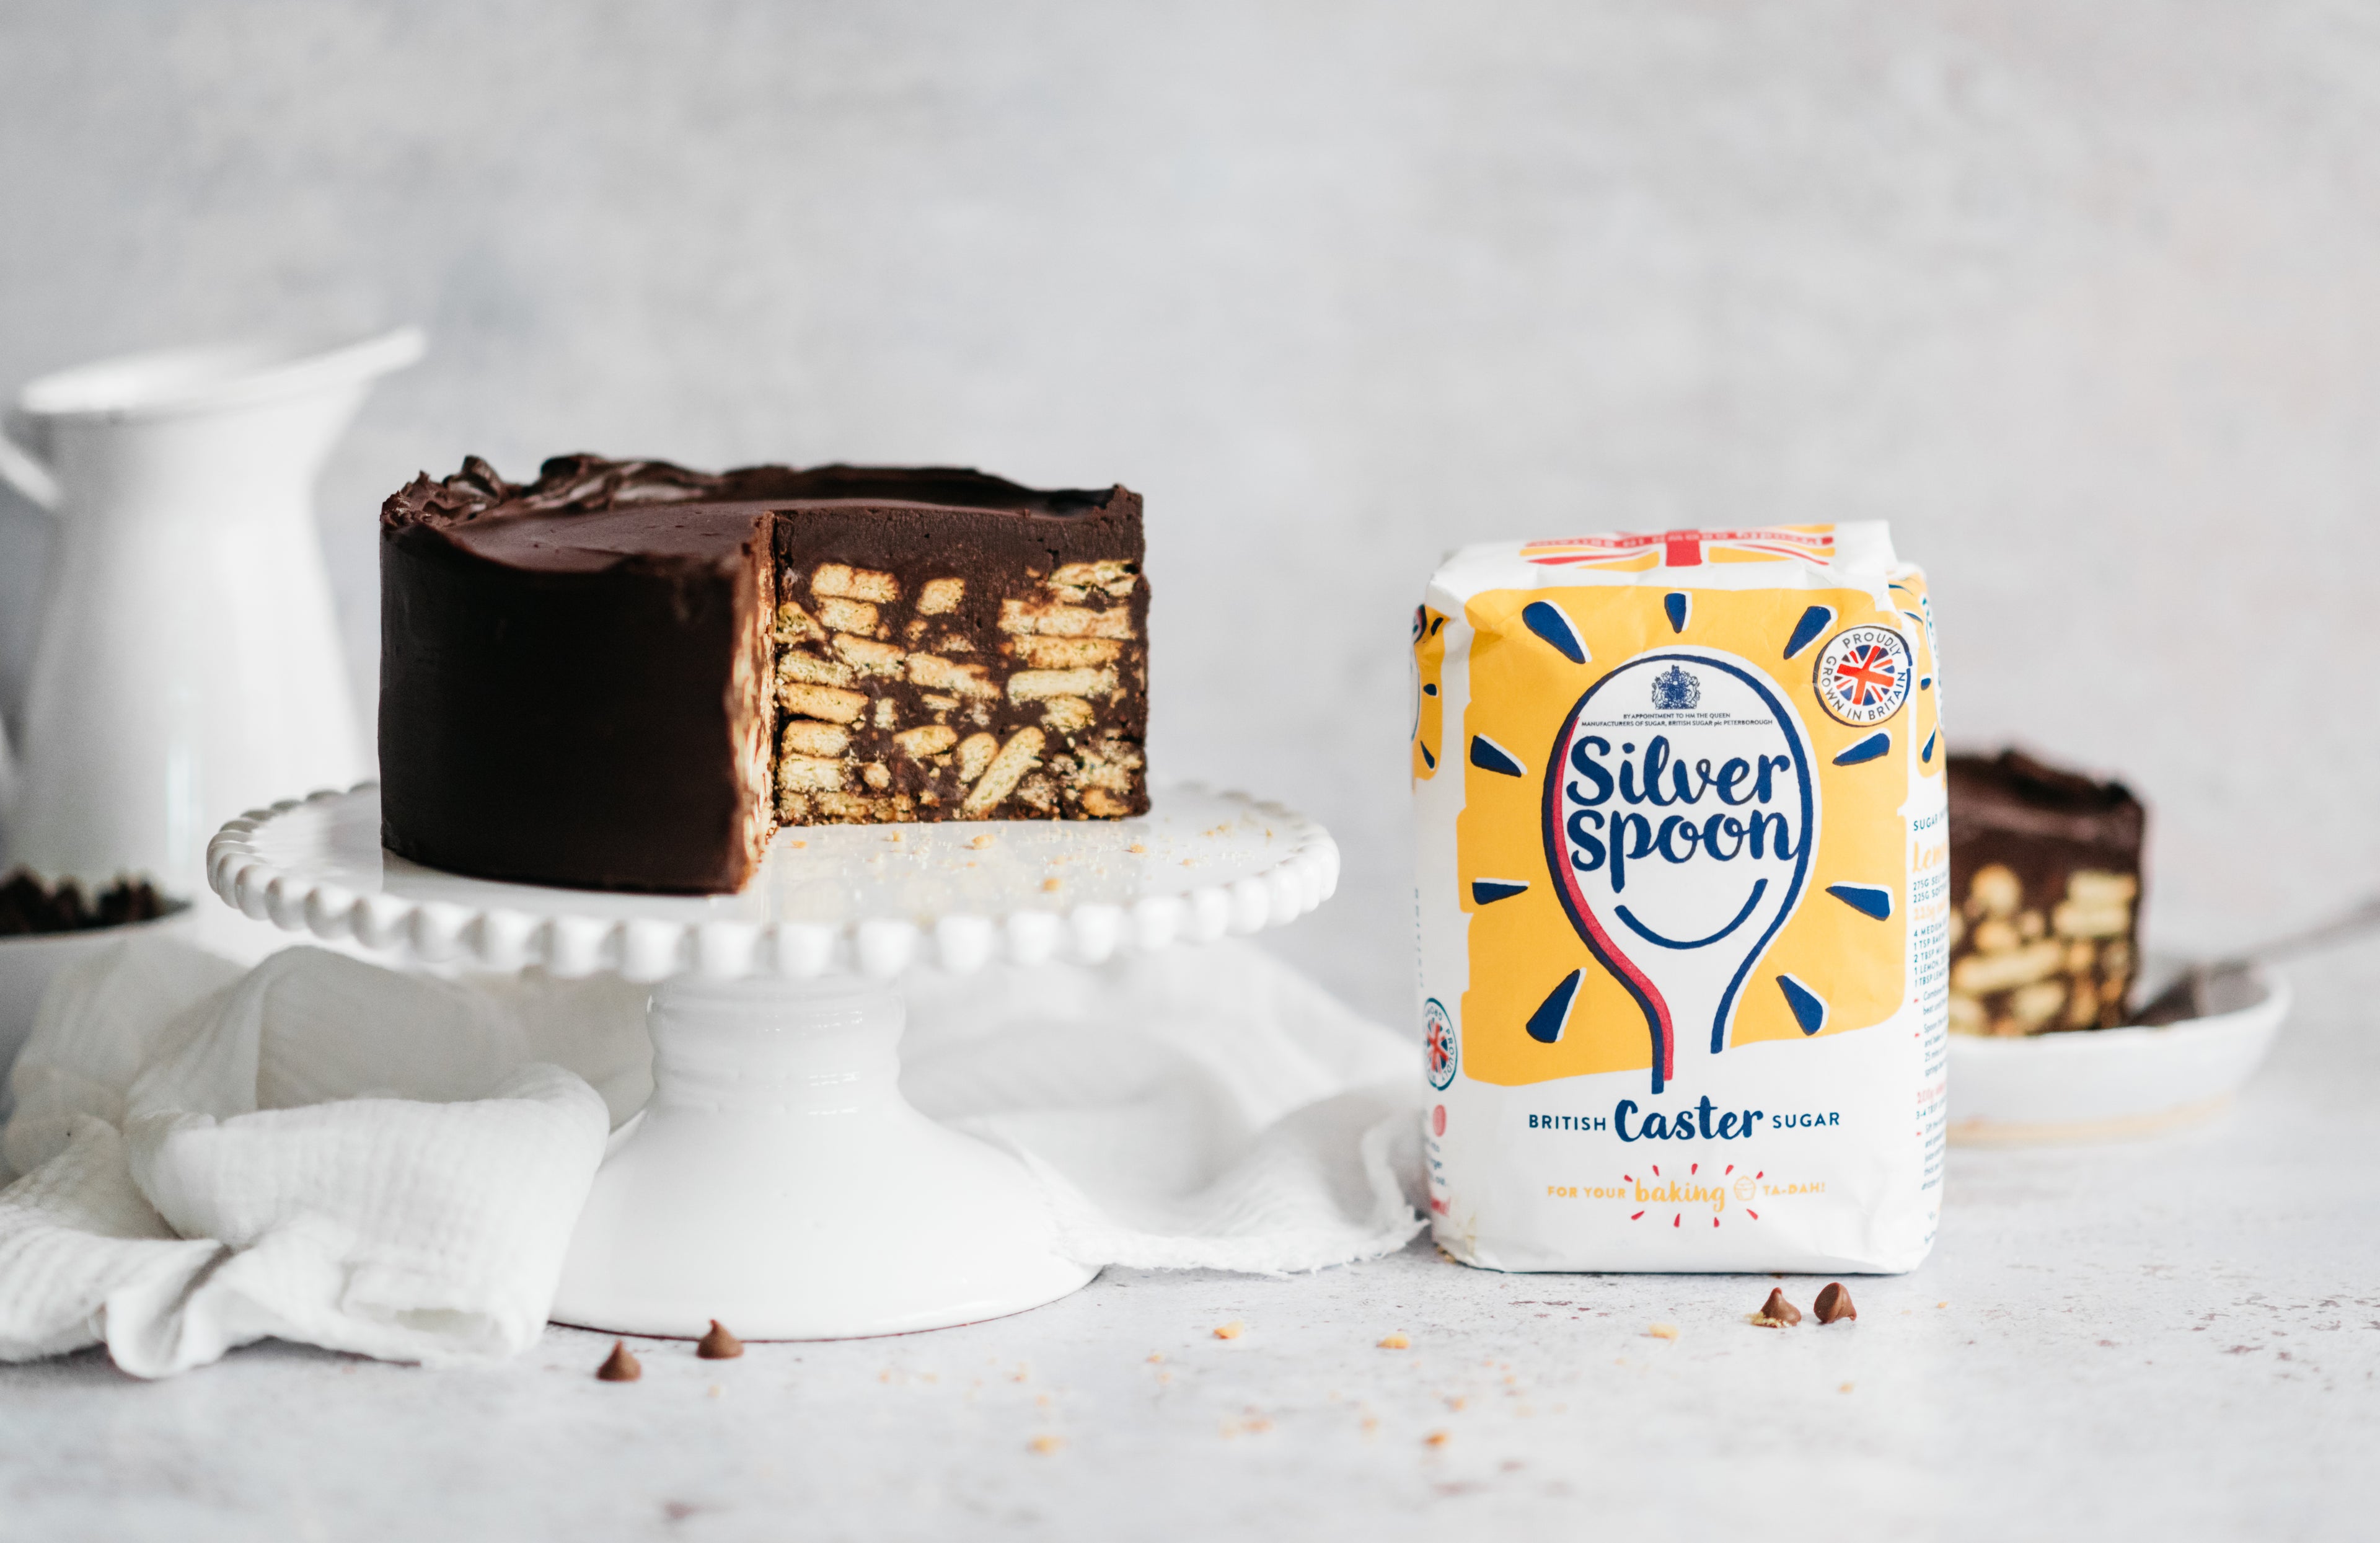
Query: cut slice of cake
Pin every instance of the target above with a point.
(954, 658)
(626, 673)
(2046, 885)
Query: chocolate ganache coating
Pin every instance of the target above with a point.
(582, 677)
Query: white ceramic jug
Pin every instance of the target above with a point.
(188, 665)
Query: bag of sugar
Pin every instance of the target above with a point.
(1681, 890)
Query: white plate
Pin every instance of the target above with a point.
(2108, 1084)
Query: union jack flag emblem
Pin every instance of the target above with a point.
(1686, 549)
(1437, 1035)
(1863, 675)
(1866, 673)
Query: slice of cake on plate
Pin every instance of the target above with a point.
(626, 675)
(2045, 888)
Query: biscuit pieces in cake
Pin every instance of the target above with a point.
(626, 673)
(2045, 889)
(1682, 887)
(960, 662)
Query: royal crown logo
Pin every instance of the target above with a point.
(1675, 691)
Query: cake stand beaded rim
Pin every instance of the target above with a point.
(656, 947)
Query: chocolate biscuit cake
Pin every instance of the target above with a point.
(626, 675)
(2046, 877)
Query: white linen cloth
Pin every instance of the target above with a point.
(326, 1151)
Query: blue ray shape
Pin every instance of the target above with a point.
(1553, 1014)
(1427, 760)
(1809, 1011)
(1869, 748)
(1868, 900)
(1805, 631)
(1487, 891)
(1926, 755)
(1489, 755)
(1677, 605)
(1551, 622)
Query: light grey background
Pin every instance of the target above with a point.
(2085, 299)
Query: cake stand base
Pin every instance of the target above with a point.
(776, 1181)
(779, 1182)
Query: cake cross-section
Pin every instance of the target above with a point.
(626, 675)
(2045, 878)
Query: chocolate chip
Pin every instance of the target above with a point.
(619, 1366)
(719, 1345)
(1777, 1313)
(1834, 1304)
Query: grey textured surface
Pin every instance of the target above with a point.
(2171, 1339)
(2081, 298)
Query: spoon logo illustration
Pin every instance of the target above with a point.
(1681, 812)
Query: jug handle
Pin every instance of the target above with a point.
(24, 470)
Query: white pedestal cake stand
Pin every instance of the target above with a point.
(777, 1181)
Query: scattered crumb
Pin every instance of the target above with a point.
(1135, 846)
(1041, 1399)
(1941, 1303)
(981, 841)
(717, 1390)
(1231, 1330)
(1437, 1438)
(1022, 1371)
(1454, 1401)
(801, 844)
(1045, 1445)
(1396, 1342)
(1053, 882)
(1661, 1330)
(1371, 1425)
(1156, 1356)
(1844, 1389)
